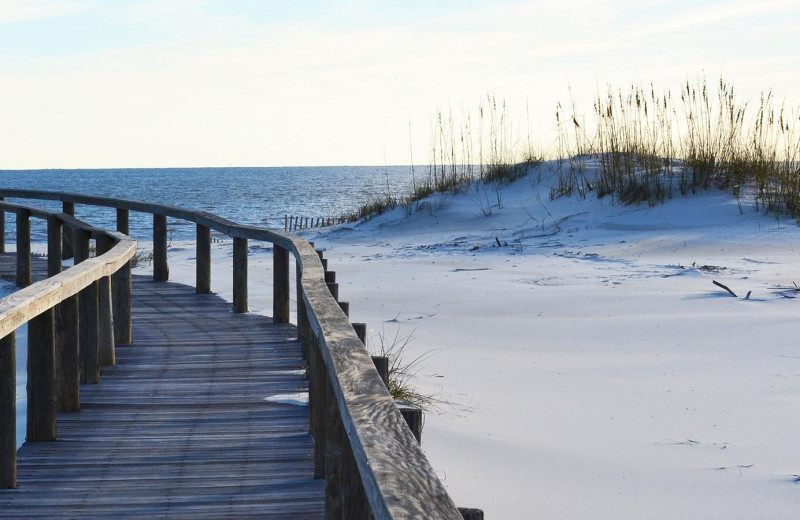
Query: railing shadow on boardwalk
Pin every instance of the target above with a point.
(371, 463)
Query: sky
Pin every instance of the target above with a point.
(171, 83)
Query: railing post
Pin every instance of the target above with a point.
(106, 354)
(67, 366)
(105, 321)
(123, 221)
(203, 267)
(54, 245)
(317, 390)
(303, 333)
(8, 412)
(2, 229)
(355, 504)
(121, 300)
(67, 249)
(88, 320)
(121, 288)
(280, 284)
(42, 405)
(160, 266)
(23, 247)
(239, 274)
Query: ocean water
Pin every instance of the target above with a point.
(254, 196)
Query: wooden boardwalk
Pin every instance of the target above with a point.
(186, 425)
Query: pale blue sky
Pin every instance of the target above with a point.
(116, 83)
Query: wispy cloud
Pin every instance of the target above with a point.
(709, 16)
(23, 10)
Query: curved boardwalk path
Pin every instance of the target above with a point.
(181, 427)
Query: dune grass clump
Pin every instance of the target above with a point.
(636, 145)
(403, 370)
(649, 144)
(465, 148)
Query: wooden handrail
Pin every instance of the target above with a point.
(54, 387)
(370, 459)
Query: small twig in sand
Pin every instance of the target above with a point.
(724, 287)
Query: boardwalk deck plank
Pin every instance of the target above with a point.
(182, 426)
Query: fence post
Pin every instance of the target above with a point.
(105, 323)
(239, 274)
(67, 249)
(23, 247)
(280, 284)
(203, 266)
(42, 406)
(160, 266)
(88, 316)
(123, 221)
(8, 412)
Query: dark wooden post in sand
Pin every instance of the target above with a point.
(23, 247)
(88, 317)
(42, 406)
(67, 249)
(8, 412)
(203, 267)
(280, 284)
(105, 311)
(160, 267)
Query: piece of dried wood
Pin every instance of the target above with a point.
(725, 287)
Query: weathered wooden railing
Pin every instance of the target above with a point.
(69, 314)
(372, 464)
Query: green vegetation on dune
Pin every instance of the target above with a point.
(648, 146)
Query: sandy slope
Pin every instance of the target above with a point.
(594, 370)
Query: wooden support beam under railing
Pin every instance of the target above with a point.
(23, 247)
(121, 293)
(106, 355)
(280, 284)
(239, 275)
(123, 221)
(160, 266)
(203, 266)
(42, 404)
(67, 249)
(88, 317)
(8, 412)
